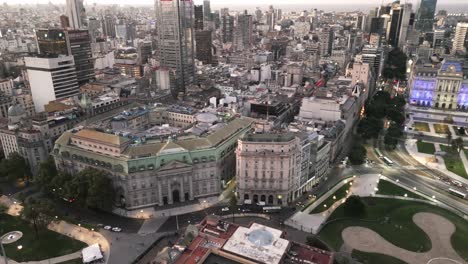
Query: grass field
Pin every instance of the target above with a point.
(425, 147)
(453, 161)
(47, 245)
(388, 188)
(339, 194)
(441, 128)
(372, 258)
(384, 216)
(421, 127)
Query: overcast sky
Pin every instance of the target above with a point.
(240, 2)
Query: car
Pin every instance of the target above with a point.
(108, 227)
(117, 229)
(225, 209)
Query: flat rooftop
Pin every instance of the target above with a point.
(260, 243)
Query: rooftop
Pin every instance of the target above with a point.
(280, 137)
(101, 137)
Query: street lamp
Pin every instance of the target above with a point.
(9, 238)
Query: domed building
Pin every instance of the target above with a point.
(15, 114)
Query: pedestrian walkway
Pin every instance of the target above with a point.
(151, 212)
(152, 225)
(363, 185)
(436, 163)
(79, 233)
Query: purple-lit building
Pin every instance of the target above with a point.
(442, 85)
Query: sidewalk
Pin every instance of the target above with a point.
(87, 236)
(363, 185)
(428, 160)
(146, 213)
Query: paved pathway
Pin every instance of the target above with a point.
(87, 236)
(363, 185)
(428, 160)
(438, 228)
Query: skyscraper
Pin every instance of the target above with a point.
(175, 22)
(207, 10)
(227, 28)
(198, 17)
(204, 44)
(399, 24)
(76, 43)
(425, 17)
(460, 39)
(244, 31)
(76, 13)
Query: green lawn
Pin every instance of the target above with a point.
(339, 194)
(48, 244)
(388, 188)
(421, 127)
(386, 216)
(453, 161)
(425, 147)
(441, 129)
(372, 258)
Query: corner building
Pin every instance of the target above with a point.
(155, 173)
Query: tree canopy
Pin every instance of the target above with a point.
(39, 212)
(395, 65)
(15, 168)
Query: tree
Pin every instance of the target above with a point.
(47, 172)
(101, 191)
(395, 65)
(449, 136)
(15, 168)
(396, 116)
(458, 144)
(233, 205)
(393, 135)
(354, 206)
(370, 127)
(358, 153)
(39, 212)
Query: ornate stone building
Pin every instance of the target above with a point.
(155, 173)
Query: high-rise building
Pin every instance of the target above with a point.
(76, 14)
(227, 28)
(51, 78)
(108, 26)
(198, 17)
(399, 24)
(204, 43)
(374, 57)
(69, 42)
(244, 31)
(377, 25)
(425, 17)
(207, 10)
(460, 38)
(326, 41)
(175, 22)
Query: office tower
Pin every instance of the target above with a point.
(76, 14)
(126, 31)
(227, 28)
(326, 41)
(400, 16)
(278, 14)
(374, 57)
(51, 78)
(244, 31)
(108, 26)
(207, 10)
(377, 25)
(198, 17)
(425, 17)
(94, 27)
(372, 14)
(145, 51)
(64, 22)
(76, 43)
(204, 43)
(258, 14)
(460, 38)
(176, 38)
(224, 11)
(438, 39)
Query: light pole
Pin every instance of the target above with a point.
(9, 238)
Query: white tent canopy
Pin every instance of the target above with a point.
(91, 253)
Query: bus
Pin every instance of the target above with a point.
(388, 161)
(457, 193)
(271, 209)
(379, 154)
